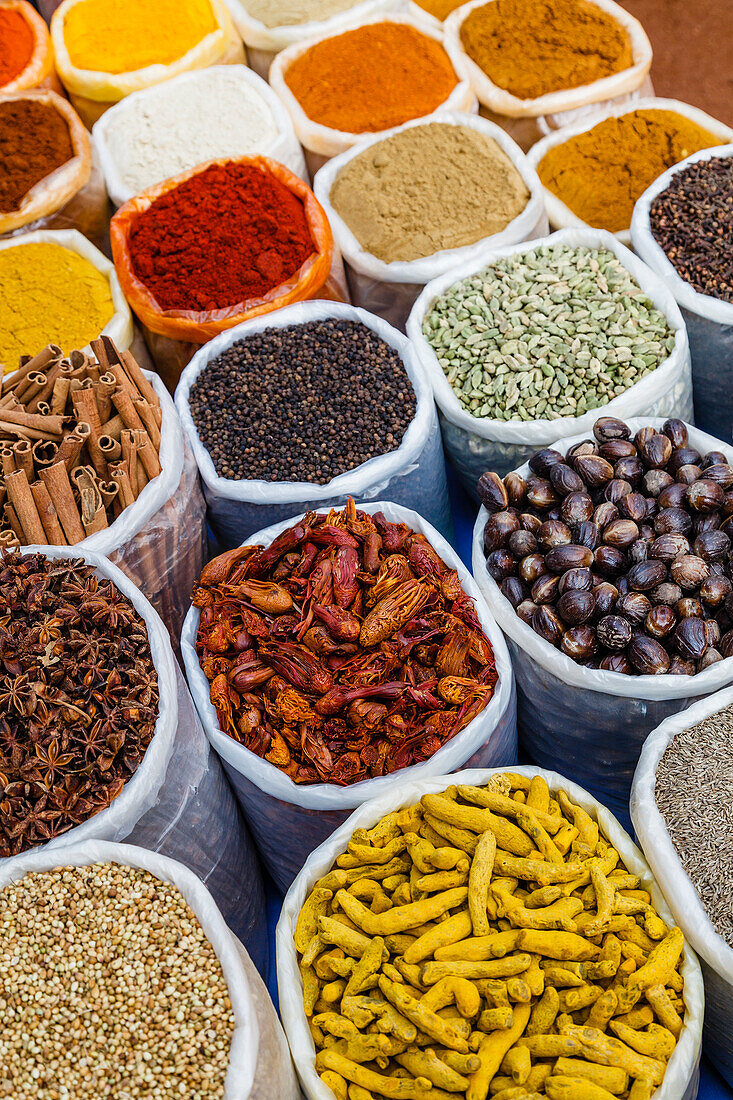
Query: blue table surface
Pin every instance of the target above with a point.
(712, 1085)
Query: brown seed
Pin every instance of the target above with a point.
(646, 575)
(579, 643)
(621, 533)
(530, 522)
(613, 632)
(660, 621)
(605, 513)
(690, 639)
(547, 623)
(684, 456)
(668, 547)
(492, 492)
(687, 475)
(554, 532)
(721, 473)
(647, 655)
(689, 608)
(714, 458)
(531, 567)
(656, 451)
(516, 488)
(500, 564)
(634, 506)
(657, 480)
(564, 480)
(576, 508)
(710, 657)
(678, 666)
(576, 607)
(542, 462)
(615, 449)
(712, 632)
(588, 534)
(630, 469)
(585, 447)
(666, 593)
(562, 558)
(705, 496)
(526, 610)
(674, 496)
(672, 521)
(689, 571)
(676, 432)
(714, 590)
(544, 589)
(575, 580)
(634, 606)
(712, 545)
(610, 427)
(609, 561)
(497, 530)
(540, 493)
(616, 662)
(514, 591)
(605, 595)
(616, 490)
(521, 543)
(594, 470)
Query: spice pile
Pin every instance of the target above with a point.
(372, 78)
(34, 141)
(229, 234)
(16, 44)
(170, 128)
(694, 794)
(109, 987)
(78, 696)
(79, 440)
(345, 649)
(428, 188)
(547, 333)
(489, 939)
(619, 552)
(533, 47)
(692, 220)
(50, 294)
(600, 173)
(249, 409)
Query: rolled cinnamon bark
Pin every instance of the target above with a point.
(24, 458)
(110, 448)
(120, 474)
(45, 454)
(36, 363)
(21, 498)
(49, 517)
(56, 480)
(146, 413)
(12, 519)
(137, 376)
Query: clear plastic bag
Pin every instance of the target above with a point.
(321, 142)
(716, 956)
(390, 289)
(178, 802)
(475, 444)
(39, 71)
(413, 475)
(92, 92)
(591, 722)
(278, 809)
(284, 147)
(709, 320)
(681, 1077)
(560, 215)
(259, 1060)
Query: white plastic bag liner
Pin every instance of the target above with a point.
(178, 802)
(284, 148)
(413, 475)
(475, 444)
(264, 42)
(321, 142)
(681, 1078)
(389, 289)
(259, 1060)
(119, 327)
(501, 102)
(289, 819)
(716, 956)
(560, 215)
(590, 721)
(709, 320)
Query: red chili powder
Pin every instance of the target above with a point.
(16, 44)
(227, 235)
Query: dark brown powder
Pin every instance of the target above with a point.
(34, 141)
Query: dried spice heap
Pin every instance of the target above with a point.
(345, 649)
(78, 696)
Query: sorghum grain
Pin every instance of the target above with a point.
(302, 403)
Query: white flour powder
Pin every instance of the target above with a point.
(172, 127)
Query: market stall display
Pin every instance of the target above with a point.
(26, 54)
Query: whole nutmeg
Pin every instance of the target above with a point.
(726, 644)
(634, 506)
(721, 473)
(629, 469)
(621, 533)
(542, 462)
(530, 522)
(594, 470)
(540, 493)
(684, 456)
(676, 432)
(712, 632)
(497, 530)
(690, 639)
(615, 449)
(710, 657)
(714, 590)
(656, 451)
(705, 496)
(689, 608)
(492, 493)
(634, 606)
(647, 655)
(585, 447)
(564, 480)
(646, 532)
(666, 593)
(579, 642)
(554, 532)
(706, 521)
(544, 589)
(561, 558)
(713, 458)
(652, 507)
(605, 595)
(674, 496)
(605, 513)
(547, 623)
(660, 621)
(616, 489)
(657, 480)
(616, 662)
(500, 564)
(642, 435)
(576, 607)
(689, 571)
(516, 489)
(646, 575)
(521, 543)
(672, 521)
(526, 610)
(514, 590)
(712, 545)
(613, 632)
(588, 534)
(639, 551)
(576, 508)
(531, 567)
(575, 580)
(668, 547)
(623, 586)
(678, 666)
(687, 475)
(610, 427)
(727, 507)
(609, 561)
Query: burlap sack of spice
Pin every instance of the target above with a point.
(390, 289)
(716, 956)
(590, 722)
(475, 444)
(174, 336)
(560, 215)
(709, 321)
(92, 92)
(681, 1076)
(306, 815)
(259, 1061)
(413, 475)
(39, 72)
(321, 142)
(71, 197)
(178, 802)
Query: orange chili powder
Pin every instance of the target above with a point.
(16, 44)
(372, 78)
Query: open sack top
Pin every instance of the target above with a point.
(39, 71)
(258, 36)
(565, 668)
(326, 796)
(424, 269)
(504, 103)
(682, 1065)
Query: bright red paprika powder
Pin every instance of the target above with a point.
(225, 236)
(16, 44)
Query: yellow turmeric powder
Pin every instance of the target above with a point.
(112, 37)
(50, 295)
(600, 173)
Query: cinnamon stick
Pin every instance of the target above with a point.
(30, 387)
(137, 375)
(105, 388)
(45, 454)
(12, 520)
(24, 458)
(120, 474)
(147, 415)
(129, 455)
(52, 373)
(148, 456)
(49, 425)
(7, 459)
(56, 480)
(38, 362)
(110, 448)
(9, 540)
(21, 498)
(49, 517)
(93, 514)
